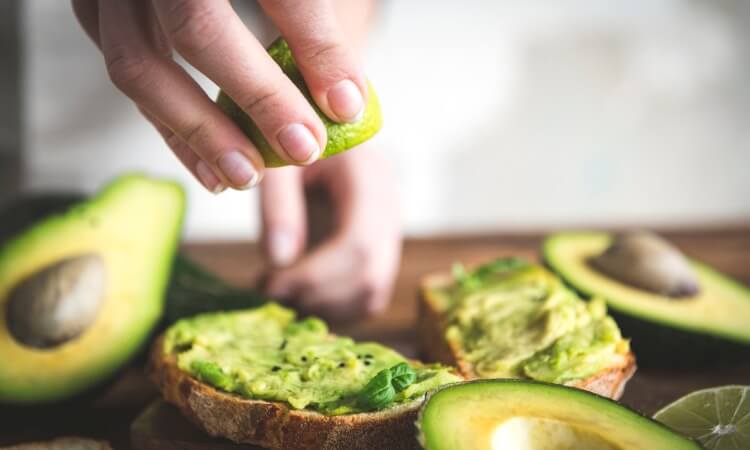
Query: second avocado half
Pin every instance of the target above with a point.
(341, 136)
(707, 327)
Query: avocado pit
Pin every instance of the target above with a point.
(58, 303)
(646, 261)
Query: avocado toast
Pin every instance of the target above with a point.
(262, 377)
(512, 319)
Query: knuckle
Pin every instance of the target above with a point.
(262, 100)
(127, 70)
(194, 26)
(322, 50)
(329, 59)
(308, 282)
(171, 139)
(195, 135)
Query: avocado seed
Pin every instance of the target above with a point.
(57, 303)
(644, 260)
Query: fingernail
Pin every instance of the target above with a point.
(281, 248)
(238, 169)
(346, 101)
(299, 143)
(207, 177)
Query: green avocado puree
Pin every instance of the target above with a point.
(517, 320)
(266, 354)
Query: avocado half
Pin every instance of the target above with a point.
(341, 136)
(81, 291)
(709, 327)
(517, 414)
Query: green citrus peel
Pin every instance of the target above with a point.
(341, 136)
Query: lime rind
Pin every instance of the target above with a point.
(341, 136)
(719, 418)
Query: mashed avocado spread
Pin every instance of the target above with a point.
(517, 320)
(267, 354)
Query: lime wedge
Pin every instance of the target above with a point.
(719, 418)
(341, 136)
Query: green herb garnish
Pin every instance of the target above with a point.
(379, 391)
(402, 375)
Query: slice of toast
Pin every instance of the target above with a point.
(276, 425)
(609, 382)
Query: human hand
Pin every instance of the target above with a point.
(351, 272)
(137, 37)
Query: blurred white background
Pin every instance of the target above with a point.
(498, 115)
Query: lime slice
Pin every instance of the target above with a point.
(341, 136)
(719, 418)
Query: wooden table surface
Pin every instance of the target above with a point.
(727, 249)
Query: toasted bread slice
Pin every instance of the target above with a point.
(276, 425)
(609, 382)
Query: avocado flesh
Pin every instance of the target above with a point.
(721, 308)
(527, 415)
(523, 322)
(133, 225)
(267, 354)
(341, 136)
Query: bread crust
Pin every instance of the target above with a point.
(275, 425)
(609, 382)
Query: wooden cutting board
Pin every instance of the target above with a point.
(161, 427)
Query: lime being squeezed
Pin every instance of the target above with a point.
(341, 136)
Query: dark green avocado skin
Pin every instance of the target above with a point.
(658, 346)
(661, 347)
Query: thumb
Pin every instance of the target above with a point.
(283, 217)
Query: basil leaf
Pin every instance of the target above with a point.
(402, 375)
(379, 392)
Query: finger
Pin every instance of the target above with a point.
(329, 281)
(366, 217)
(282, 202)
(161, 87)
(87, 13)
(187, 156)
(329, 66)
(211, 36)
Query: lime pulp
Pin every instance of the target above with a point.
(718, 418)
